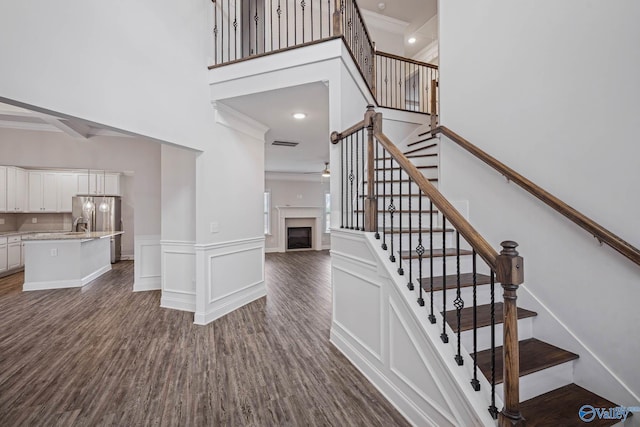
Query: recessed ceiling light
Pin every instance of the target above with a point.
(299, 116)
(411, 40)
(382, 6)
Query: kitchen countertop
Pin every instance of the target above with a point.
(23, 233)
(68, 235)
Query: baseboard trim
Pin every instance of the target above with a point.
(147, 284)
(234, 301)
(166, 301)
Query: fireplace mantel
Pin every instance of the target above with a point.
(314, 212)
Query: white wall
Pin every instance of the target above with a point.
(386, 32)
(294, 192)
(140, 192)
(551, 89)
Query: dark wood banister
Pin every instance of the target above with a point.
(596, 230)
(482, 247)
(403, 59)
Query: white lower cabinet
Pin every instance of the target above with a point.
(14, 252)
(3, 257)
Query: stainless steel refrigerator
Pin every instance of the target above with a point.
(99, 213)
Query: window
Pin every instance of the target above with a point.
(327, 212)
(267, 212)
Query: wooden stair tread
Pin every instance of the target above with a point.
(421, 148)
(421, 140)
(560, 407)
(483, 315)
(417, 167)
(389, 181)
(535, 355)
(410, 156)
(415, 230)
(466, 280)
(436, 253)
(381, 212)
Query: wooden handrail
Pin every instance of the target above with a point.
(409, 60)
(596, 230)
(337, 136)
(482, 247)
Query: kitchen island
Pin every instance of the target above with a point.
(65, 260)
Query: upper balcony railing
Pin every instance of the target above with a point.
(246, 29)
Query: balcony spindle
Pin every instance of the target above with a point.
(443, 336)
(432, 317)
(474, 382)
(458, 302)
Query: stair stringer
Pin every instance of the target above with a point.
(378, 326)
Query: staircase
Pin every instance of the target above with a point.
(459, 294)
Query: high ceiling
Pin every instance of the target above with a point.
(416, 13)
(274, 109)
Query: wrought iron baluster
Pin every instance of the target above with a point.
(279, 13)
(392, 209)
(458, 302)
(286, 21)
(311, 16)
(256, 18)
(329, 23)
(222, 30)
(376, 189)
(492, 409)
(351, 177)
(235, 29)
(444, 337)
(295, 23)
(343, 182)
(432, 317)
(271, 21)
(474, 382)
(410, 283)
(215, 33)
(356, 178)
(400, 230)
(384, 198)
(362, 167)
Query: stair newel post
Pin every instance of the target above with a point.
(510, 273)
(337, 18)
(433, 100)
(371, 205)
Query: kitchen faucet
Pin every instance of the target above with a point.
(80, 220)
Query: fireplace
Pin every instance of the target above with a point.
(299, 238)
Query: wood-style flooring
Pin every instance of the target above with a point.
(103, 355)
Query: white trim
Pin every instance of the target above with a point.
(584, 348)
(209, 246)
(235, 120)
(248, 295)
(147, 282)
(383, 22)
(410, 411)
(235, 291)
(177, 304)
(63, 284)
(428, 53)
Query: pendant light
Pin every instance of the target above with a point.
(88, 206)
(104, 206)
(326, 173)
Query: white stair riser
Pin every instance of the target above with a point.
(543, 381)
(525, 331)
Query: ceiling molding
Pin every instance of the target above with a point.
(235, 120)
(383, 22)
(429, 53)
(74, 130)
(27, 126)
(295, 176)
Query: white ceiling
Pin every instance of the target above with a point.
(14, 117)
(417, 13)
(274, 109)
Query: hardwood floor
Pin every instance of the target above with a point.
(103, 355)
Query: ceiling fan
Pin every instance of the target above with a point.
(326, 173)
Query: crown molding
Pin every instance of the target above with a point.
(233, 119)
(384, 22)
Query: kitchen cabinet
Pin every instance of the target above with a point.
(43, 192)
(3, 254)
(14, 252)
(67, 188)
(98, 184)
(16, 189)
(3, 188)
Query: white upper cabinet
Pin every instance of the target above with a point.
(43, 191)
(3, 188)
(67, 188)
(98, 184)
(16, 189)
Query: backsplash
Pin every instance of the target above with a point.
(44, 222)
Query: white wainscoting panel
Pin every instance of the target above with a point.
(228, 276)
(147, 264)
(376, 327)
(178, 275)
